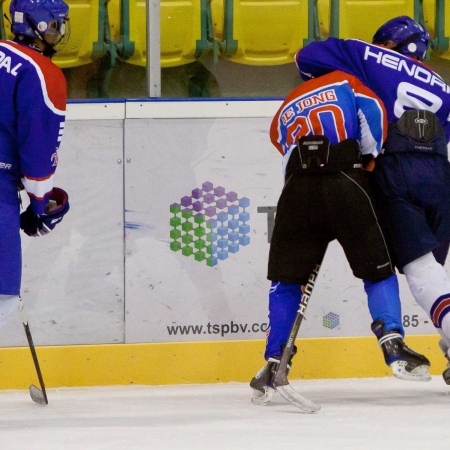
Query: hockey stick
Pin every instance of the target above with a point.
(280, 381)
(37, 395)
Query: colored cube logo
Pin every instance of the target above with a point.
(209, 224)
(331, 320)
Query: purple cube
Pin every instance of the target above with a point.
(197, 193)
(186, 201)
(221, 203)
(219, 191)
(207, 186)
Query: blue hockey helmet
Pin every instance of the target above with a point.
(411, 38)
(45, 19)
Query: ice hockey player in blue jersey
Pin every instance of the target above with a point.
(33, 96)
(413, 173)
(329, 130)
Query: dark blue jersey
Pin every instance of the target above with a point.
(401, 82)
(32, 113)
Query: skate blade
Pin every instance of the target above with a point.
(262, 398)
(293, 397)
(420, 373)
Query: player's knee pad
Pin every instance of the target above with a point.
(427, 280)
(7, 305)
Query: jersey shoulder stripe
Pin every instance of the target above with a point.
(53, 83)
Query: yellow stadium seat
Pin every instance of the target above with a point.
(183, 29)
(439, 29)
(360, 19)
(264, 32)
(5, 26)
(84, 34)
(86, 42)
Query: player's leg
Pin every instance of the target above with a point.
(295, 248)
(10, 262)
(284, 300)
(430, 286)
(365, 247)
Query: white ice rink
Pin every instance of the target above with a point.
(357, 414)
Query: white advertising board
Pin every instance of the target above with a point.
(73, 279)
(178, 177)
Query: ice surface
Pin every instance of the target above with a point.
(382, 413)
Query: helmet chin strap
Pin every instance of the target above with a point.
(49, 50)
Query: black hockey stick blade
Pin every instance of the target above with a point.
(38, 396)
(293, 397)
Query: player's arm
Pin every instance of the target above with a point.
(372, 119)
(40, 102)
(277, 137)
(321, 57)
(373, 124)
(41, 114)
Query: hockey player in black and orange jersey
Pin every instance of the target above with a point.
(33, 97)
(413, 174)
(328, 130)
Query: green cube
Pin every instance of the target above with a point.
(199, 219)
(187, 251)
(186, 214)
(175, 209)
(187, 226)
(199, 256)
(199, 231)
(175, 222)
(199, 244)
(175, 246)
(175, 234)
(187, 239)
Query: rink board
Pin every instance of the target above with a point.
(129, 271)
(201, 362)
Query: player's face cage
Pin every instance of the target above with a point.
(57, 33)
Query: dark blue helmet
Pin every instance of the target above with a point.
(411, 38)
(45, 19)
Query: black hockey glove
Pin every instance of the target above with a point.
(39, 225)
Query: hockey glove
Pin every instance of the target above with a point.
(39, 225)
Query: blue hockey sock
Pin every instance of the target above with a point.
(384, 303)
(284, 300)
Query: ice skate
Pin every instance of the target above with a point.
(405, 363)
(446, 374)
(261, 383)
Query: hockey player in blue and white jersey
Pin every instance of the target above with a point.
(413, 174)
(329, 130)
(33, 97)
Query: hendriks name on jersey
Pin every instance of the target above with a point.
(400, 64)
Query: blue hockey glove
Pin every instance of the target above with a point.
(39, 225)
